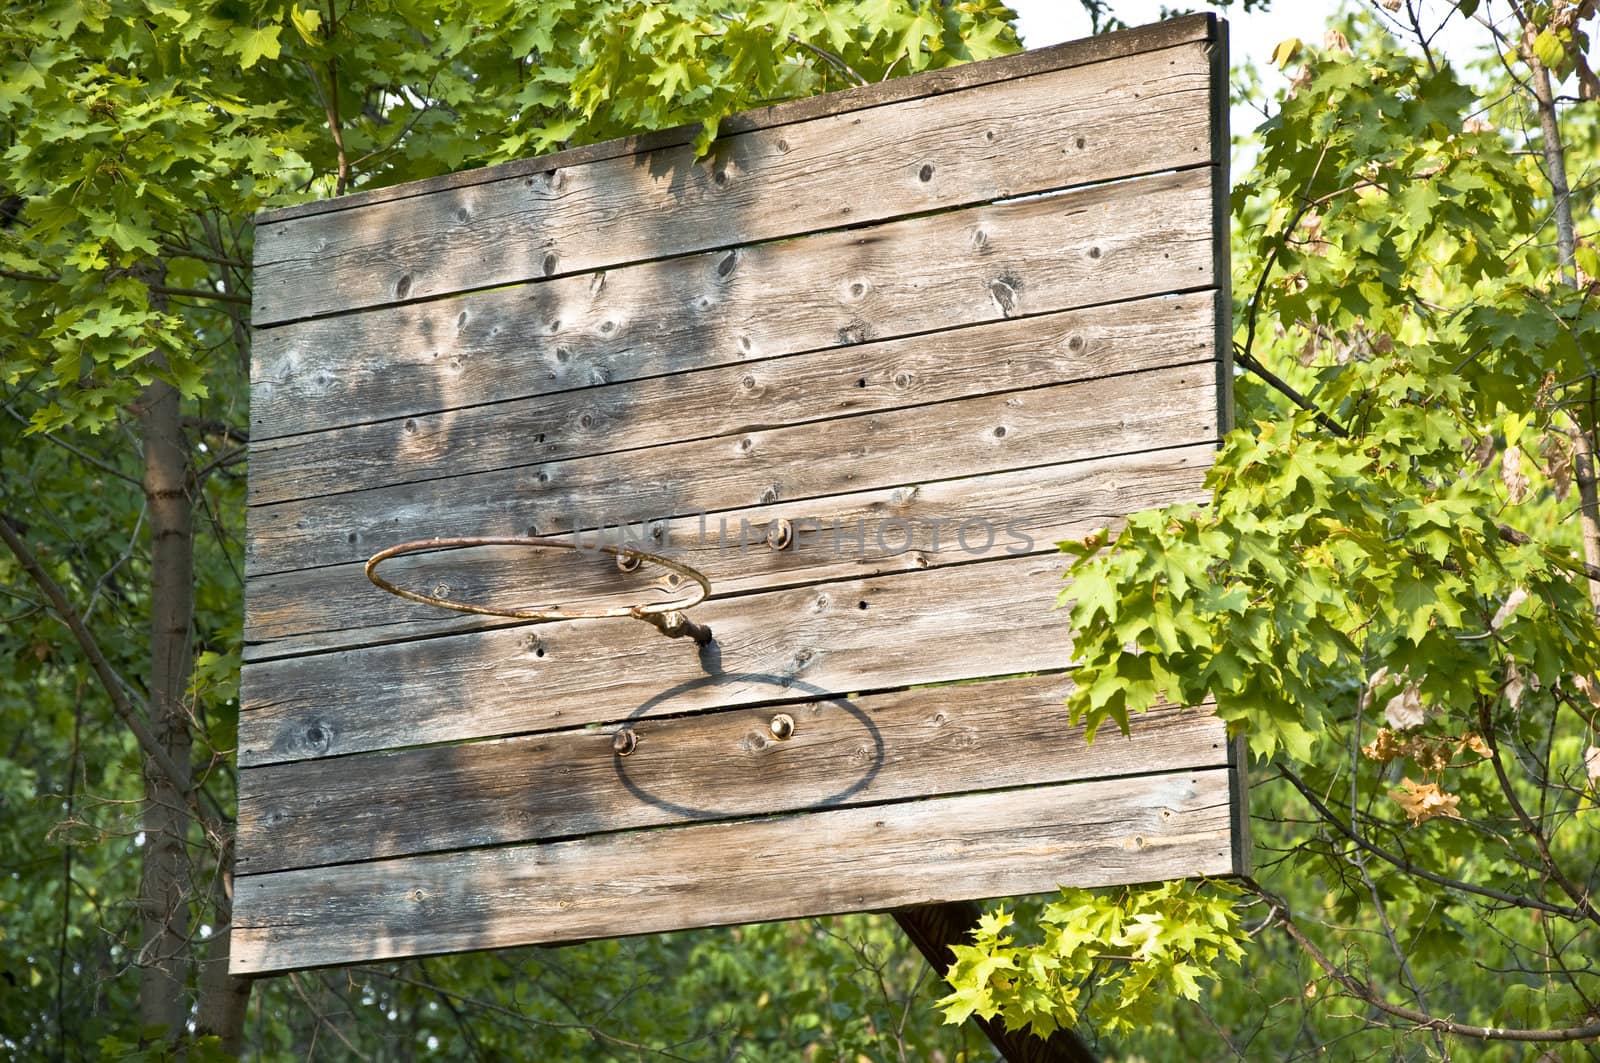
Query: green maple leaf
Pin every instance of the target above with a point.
(253, 44)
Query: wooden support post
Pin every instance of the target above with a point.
(934, 928)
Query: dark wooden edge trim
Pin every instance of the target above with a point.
(1083, 52)
(1239, 804)
(1221, 231)
(1222, 221)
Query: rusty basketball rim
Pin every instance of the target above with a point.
(666, 617)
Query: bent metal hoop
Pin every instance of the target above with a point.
(666, 617)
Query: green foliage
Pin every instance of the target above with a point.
(137, 140)
(1386, 596)
(616, 66)
(134, 131)
(1137, 949)
(1381, 597)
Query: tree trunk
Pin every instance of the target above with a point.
(164, 894)
(1583, 449)
(223, 998)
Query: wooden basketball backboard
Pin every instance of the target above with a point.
(930, 327)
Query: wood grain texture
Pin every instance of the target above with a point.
(908, 527)
(957, 363)
(1099, 49)
(716, 765)
(1052, 131)
(1119, 415)
(962, 622)
(856, 312)
(1124, 241)
(1105, 833)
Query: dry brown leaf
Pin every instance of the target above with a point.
(1431, 757)
(1334, 41)
(1476, 743)
(1423, 801)
(1404, 710)
(1515, 684)
(1557, 455)
(1308, 353)
(1591, 764)
(1385, 747)
(1513, 477)
(1483, 453)
(1508, 609)
(1589, 687)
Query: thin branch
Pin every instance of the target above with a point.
(1387, 926)
(1409, 868)
(1579, 896)
(1555, 557)
(593, 1031)
(37, 278)
(175, 251)
(222, 461)
(323, 1020)
(1283, 387)
(1370, 994)
(1272, 257)
(831, 59)
(330, 103)
(410, 123)
(201, 293)
(116, 688)
(217, 428)
(103, 466)
(1422, 38)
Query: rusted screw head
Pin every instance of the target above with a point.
(624, 742)
(782, 726)
(780, 534)
(628, 562)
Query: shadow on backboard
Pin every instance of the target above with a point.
(823, 699)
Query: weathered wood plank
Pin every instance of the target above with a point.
(1106, 833)
(920, 525)
(716, 765)
(958, 363)
(1099, 49)
(1051, 131)
(962, 622)
(1118, 415)
(1124, 241)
